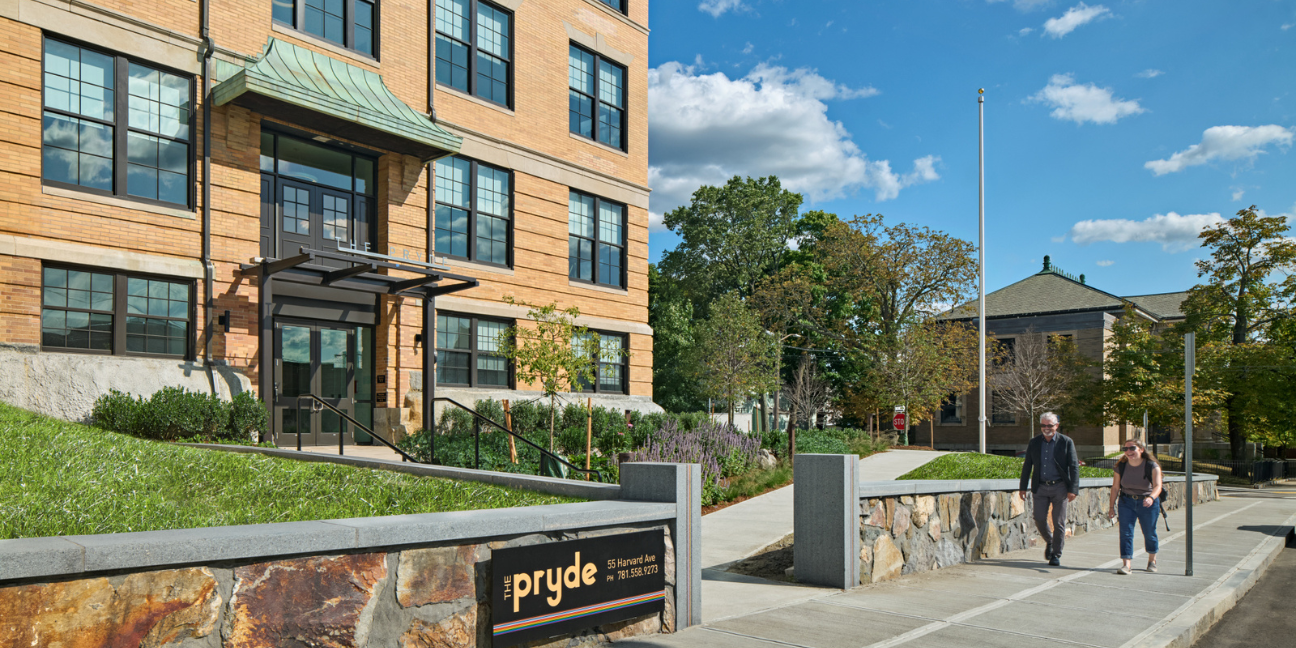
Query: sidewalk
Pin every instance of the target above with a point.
(736, 532)
(1017, 600)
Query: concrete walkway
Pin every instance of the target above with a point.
(1017, 600)
(736, 532)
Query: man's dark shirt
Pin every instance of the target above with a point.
(1048, 467)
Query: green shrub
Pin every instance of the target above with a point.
(174, 413)
(116, 411)
(248, 419)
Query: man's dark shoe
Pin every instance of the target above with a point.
(1048, 553)
(1054, 561)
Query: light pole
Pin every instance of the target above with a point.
(981, 328)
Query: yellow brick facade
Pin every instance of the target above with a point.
(531, 138)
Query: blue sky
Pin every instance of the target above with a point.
(1115, 130)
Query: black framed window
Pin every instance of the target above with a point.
(1000, 412)
(467, 349)
(474, 48)
(353, 24)
(473, 211)
(951, 410)
(596, 103)
(596, 240)
(115, 126)
(611, 363)
(619, 5)
(108, 312)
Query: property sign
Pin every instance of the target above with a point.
(898, 422)
(558, 588)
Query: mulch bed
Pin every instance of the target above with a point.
(771, 563)
(913, 448)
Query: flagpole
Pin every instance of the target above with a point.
(981, 327)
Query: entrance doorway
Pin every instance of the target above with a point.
(332, 361)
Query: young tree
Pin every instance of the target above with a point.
(734, 356)
(555, 354)
(670, 314)
(1243, 296)
(1040, 374)
(808, 391)
(923, 366)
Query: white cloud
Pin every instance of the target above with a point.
(1287, 26)
(1224, 143)
(1024, 31)
(718, 7)
(707, 128)
(1074, 17)
(1024, 5)
(656, 222)
(1175, 233)
(1058, 239)
(1105, 262)
(1237, 194)
(1081, 103)
(1149, 73)
(748, 49)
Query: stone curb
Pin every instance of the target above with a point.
(1190, 625)
(54, 556)
(929, 486)
(547, 485)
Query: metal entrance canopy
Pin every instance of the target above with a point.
(305, 268)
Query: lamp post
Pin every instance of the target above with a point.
(981, 327)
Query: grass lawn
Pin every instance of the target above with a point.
(973, 465)
(59, 478)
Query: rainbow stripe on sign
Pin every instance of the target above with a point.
(546, 619)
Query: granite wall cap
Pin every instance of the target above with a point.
(932, 486)
(25, 557)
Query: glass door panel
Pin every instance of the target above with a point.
(296, 373)
(336, 381)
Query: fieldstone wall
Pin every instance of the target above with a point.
(907, 534)
(414, 597)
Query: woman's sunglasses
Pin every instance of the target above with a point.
(1131, 448)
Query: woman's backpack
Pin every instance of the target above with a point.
(1147, 474)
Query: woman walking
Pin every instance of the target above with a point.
(1136, 484)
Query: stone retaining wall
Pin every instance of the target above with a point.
(908, 533)
(408, 581)
(420, 596)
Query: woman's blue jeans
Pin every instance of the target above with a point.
(1131, 510)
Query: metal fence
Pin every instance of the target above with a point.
(1252, 472)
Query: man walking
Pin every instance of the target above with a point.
(1053, 471)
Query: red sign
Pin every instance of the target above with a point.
(899, 421)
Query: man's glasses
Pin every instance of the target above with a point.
(1048, 426)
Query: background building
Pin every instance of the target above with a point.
(505, 142)
(1054, 303)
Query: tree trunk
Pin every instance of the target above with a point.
(730, 408)
(791, 429)
(764, 415)
(551, 423)
(1237, 435)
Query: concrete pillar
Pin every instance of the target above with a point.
(680, 484)
(826, 520)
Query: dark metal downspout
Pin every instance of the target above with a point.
(429, 304)
(206, 52)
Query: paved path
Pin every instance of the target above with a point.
(1017, 600)
(736, 532)
(375, 451)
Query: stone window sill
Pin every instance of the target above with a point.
(114, 201)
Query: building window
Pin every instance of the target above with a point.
(619, 5)
(467, 351)
(951, 410)
(473, 209)
(610, 363)
(114, 126)
(353, 24)
(113, 313)
(1000, 412)
(596, 240)
(596, 102)
(473, 48)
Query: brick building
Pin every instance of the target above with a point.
(1054, 303)
(367, 158)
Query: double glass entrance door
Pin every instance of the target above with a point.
(319, 359)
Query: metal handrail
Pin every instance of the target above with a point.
(478, 418)
(341, 436)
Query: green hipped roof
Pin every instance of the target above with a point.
(1054, 291)
(318, 91)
